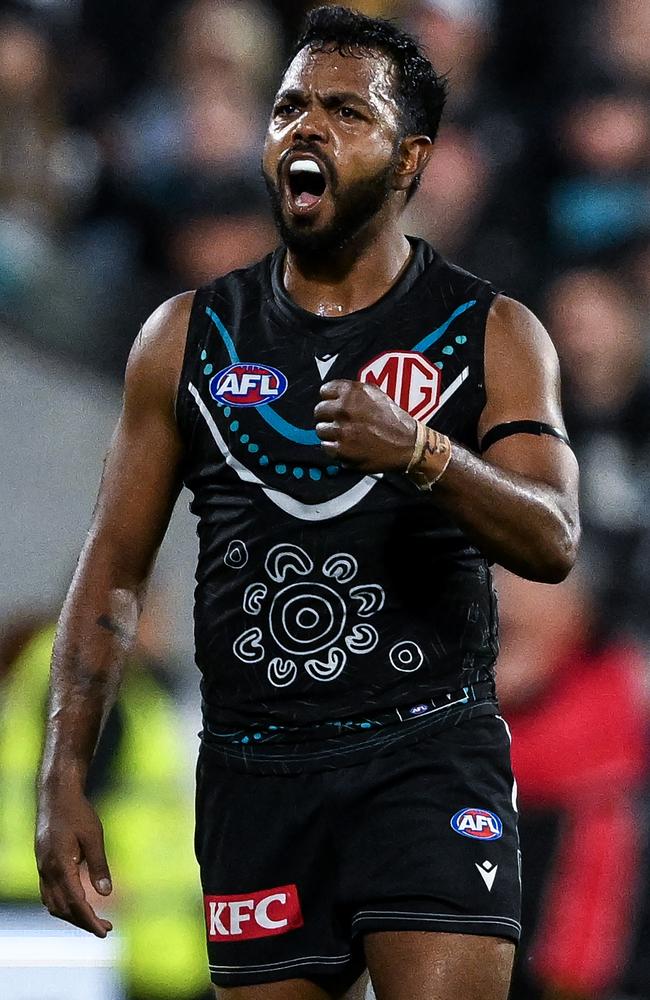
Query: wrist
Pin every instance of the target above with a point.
(430, 458)
(419, 445)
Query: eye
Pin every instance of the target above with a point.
(282, 110)
(347, 112)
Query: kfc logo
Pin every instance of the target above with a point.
(410, 380)
(255, 915)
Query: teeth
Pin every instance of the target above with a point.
(304, 166)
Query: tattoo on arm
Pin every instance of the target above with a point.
(108, 623)
(434, 444)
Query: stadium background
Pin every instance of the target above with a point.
(130, 138)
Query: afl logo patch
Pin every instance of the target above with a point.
(248, 385)
(480, 824)
(410, 379)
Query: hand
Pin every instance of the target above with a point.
(359, 424)
(69, 832)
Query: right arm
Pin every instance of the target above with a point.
(97, 628)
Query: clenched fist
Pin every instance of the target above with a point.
(360, 425)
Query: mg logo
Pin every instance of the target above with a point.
(410, 379)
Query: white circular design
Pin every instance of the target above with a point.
(364, 638)
(371, 598)
(281, 672)
(285, 558)
(248, 646)
(341, 566)
(307, 617)
(406, 656)
(236, 554)
(327, 671)
(310, 625)
(253, 598)
(287, 617)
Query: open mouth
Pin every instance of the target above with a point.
(307, 185)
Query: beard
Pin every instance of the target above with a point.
(354, 208)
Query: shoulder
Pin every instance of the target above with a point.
(514, 334)
(166, 324)
(156, 358)
(522, 372)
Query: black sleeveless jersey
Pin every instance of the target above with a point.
(323, 593)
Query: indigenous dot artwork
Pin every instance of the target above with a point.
(253, 448)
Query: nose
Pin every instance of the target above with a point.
(310, 126)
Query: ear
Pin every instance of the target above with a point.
(415, 153)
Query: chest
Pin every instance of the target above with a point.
(261, 370)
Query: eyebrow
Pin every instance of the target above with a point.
(328, 97)
(345, 97)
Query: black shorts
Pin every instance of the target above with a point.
(296, 868)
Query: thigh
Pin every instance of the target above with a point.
(429, 840)
(427, 965)
(269, 877)
(293, 989)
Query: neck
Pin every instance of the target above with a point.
(352, 278)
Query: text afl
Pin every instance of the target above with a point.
(480, 824)
(248, 385)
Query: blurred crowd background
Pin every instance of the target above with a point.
(130, 140)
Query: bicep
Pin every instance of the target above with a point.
(139, 487)
(141, 478)
(522, 382)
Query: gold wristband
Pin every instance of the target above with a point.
(436, 446)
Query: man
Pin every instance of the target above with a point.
(584, 883)
(364, 428)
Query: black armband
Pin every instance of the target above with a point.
(500, 431)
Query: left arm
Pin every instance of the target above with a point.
(519, 501)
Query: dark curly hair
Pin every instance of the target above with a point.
(420, 92)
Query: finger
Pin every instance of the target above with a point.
(327, 409)
(95, 855)
(71, 901)
(333, 389)
(331, 448)
(57, 905)
(46, 894)
(328, 431)
(100, 928)
(82, 915)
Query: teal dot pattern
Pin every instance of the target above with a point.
(297, 471)
(314, 473)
